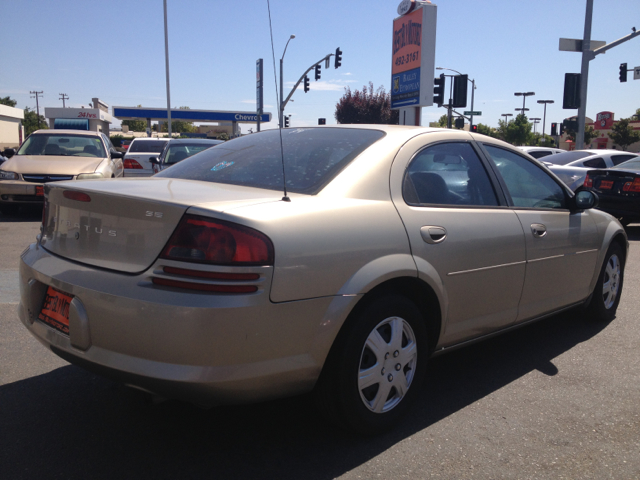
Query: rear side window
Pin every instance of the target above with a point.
(540, 153)
(147, 146)
(528, 185)
(618, 159)
(448, 174)
(595, 163)
(312, 158)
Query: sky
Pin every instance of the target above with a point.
(114, 50)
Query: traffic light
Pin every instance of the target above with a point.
(571, 98)
(286, 122)
(554, 129)
(561, 129)
(474, 128)
(318, 71)
(306, 84)
(623, 72)
(460, 91)
(438, 90)
(459, 123)
(338, 59)
(322, 121)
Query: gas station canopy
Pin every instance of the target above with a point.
(144, 113)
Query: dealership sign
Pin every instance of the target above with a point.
(414, 52)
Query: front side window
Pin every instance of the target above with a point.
(311, 158)
(528, 184)
(448, 174)
(63, 145)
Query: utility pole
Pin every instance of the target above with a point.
(35, 95)
(166, 60)
(63, 97)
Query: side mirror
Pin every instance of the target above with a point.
(9, 152)
(116, 154)
(585, 200)
(154, 160)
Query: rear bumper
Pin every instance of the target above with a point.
(204, 348)
(619, 207)
(16, 191)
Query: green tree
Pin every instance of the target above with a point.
(135, 125)
(32, 122)
(589, 134)
(623, 134)
(179, 126)
(487, 130)
(366, 106)
(8, 101)
(515, 132)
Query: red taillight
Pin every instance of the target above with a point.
(79, 196)
(132, 164)
(203, 240)
(588, 182)
(632, 186)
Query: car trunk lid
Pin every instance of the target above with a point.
(123, 225)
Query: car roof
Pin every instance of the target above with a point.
(88, 133)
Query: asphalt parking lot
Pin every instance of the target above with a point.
(557, 399)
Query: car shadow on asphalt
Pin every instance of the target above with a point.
(25, 214)
(72, 424)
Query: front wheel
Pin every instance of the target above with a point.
(606, 295)
(376, 367)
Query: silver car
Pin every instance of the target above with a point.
(330, 259)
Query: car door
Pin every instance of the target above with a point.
(461, 232)
(561, 245)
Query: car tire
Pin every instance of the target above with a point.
(9, 210)
(375, 367)
(606, 295)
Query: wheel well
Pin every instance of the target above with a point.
(620, 240)
(420, 293)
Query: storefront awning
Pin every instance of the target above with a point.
(71, 123)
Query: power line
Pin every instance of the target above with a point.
(37, 104)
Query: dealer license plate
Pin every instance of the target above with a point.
(39, 191)
(55, 310)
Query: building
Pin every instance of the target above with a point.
(602, 126)
(11, 129)
(95, 119)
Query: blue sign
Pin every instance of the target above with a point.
(189, 115)
(405, 88)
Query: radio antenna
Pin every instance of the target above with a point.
(285, 198)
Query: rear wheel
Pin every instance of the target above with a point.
(376, 366)
(606, 295)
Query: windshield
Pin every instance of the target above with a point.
(63, 144)
(312, 158)
(147, 146)
(178, 152)
(567, 157)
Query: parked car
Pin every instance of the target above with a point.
(52, 156)
(618, 190)
(572, 167)
(125, 144)
(178, 149)
(136, 160)
(333, 260)
(539, 152)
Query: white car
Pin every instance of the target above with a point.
(539, 152)
(136, 159)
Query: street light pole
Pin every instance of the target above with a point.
(166, 60)
(544, 121)
(524, 96)
(281, 119)
(535, 122)
(506, 115)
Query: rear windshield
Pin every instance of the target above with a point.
(63, 145)
(312, 158)
(147, 146)
(179, 151)
(567, 157)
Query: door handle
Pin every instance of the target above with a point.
(539, 230)
(433, 234)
